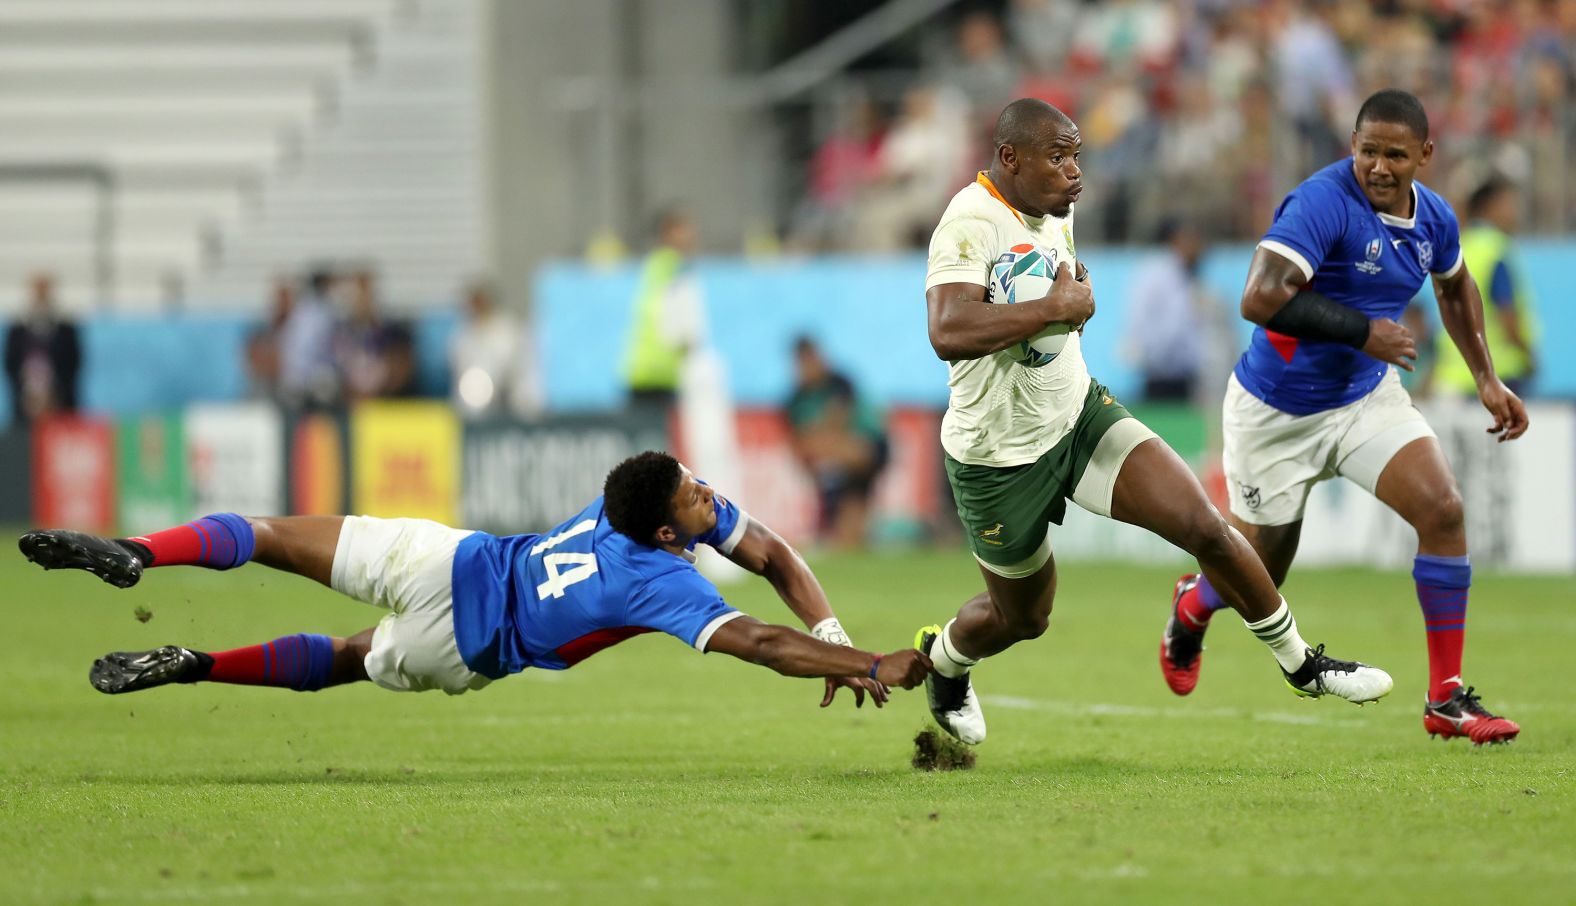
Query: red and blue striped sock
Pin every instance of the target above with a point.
(220, 541)
(1199, 603)
(301, 662)
(1442, 587)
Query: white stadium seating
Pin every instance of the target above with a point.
(234, 140)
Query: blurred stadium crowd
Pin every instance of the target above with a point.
(330, 255)
(1206, 110)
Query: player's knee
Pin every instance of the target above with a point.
(1030, 625)
(350, 657)
(1445, 518)
(1207, 536)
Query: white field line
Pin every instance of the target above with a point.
(221, 890)
(1101, 709)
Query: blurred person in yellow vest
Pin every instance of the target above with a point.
(1510, 325)
(667, 321)
(672, 372)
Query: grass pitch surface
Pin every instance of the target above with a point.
(650, 774)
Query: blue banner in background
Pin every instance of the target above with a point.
(868, 314)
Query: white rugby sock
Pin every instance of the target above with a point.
(945, 656)
(1279, 631)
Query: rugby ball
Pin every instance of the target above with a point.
(1022, 274)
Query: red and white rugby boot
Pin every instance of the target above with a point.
(1463, 714)
(1182, 644)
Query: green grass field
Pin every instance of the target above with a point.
(650, 774)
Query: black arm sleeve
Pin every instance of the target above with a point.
(1315, 316)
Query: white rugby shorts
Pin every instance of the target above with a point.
(1272, 459)
(407, 567)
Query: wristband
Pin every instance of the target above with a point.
(831, 632)
(874, 665)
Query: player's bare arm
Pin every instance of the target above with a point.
(793, 653)
(1461, 311)
(964, 326)
(1277, 298)
(764, 552)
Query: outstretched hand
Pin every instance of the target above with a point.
(905, 669)
(878, 692)
(1510, 414)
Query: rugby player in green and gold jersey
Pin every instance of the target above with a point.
(1021, 440)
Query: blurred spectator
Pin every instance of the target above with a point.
(923, 160)
(840, 442)
(1127, 35)
(1197, 136)
(1397, 51)
(1251, 168)
(262, 345)
(1120, 134)
(43, 356)
(1315, 87)
(668, 319)
(1169, 332)
(1232, 60)
(1510, 319)
(983, 69)
(1265, 90)
(1043, 30)
(308, 374)
(492, 362)
(376, 354)
(844, 163)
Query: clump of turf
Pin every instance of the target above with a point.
(937, 752)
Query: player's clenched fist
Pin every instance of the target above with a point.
(1389, 341)
(1071, 299)
(906, 668)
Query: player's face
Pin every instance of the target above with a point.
(1049, 179)
(1386, 158)
(692, 507)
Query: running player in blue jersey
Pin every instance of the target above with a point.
(1315, 397)
(466, 608)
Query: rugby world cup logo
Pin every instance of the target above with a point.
(1371, 266)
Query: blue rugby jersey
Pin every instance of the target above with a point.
(553, 600)
(1356, 256)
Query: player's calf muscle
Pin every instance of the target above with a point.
(303, 545)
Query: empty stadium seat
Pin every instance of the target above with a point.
(236, 140)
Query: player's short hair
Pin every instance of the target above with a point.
(1025, 120)
(638, 494)
(1484, 195)
(1394, 106)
